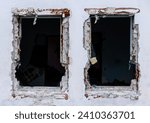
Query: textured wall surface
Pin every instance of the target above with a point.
(77, 53)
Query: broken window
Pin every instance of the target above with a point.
(40, 52)
(110, 51)
(111, 39)
(40, 55)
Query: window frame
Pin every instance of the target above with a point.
(56, 92)
(131, 91)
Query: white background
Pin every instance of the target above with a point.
(77, 53)
(8, 114)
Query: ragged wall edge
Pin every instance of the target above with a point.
(132, 91)
(34, 92)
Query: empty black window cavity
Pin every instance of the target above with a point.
(110, 45)
(39, 63)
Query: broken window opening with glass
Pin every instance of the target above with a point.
(40, 51)
(111, 39)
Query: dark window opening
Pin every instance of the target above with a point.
(40, 52)
(110, 46)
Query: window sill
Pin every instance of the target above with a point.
(111, 92)
(40, 92)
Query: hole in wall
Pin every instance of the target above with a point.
(110, 52)
(40, 52)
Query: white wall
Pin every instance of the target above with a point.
(77, 52)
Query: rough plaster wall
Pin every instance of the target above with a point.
(77, 53)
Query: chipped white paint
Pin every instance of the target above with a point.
(64, 41)
(98, 91)
(78, 55)
(112, 11)
(32, 11)
(87, 34)
(55, 92)
(135, 47)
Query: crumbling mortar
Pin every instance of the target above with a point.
(133, 89)
(18, 91)
(31, 11)
(112, 11)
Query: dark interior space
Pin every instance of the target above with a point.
(110, 45)
(40, 52)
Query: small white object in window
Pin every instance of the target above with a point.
(35, 20)
(93, 60)
(96, 19)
